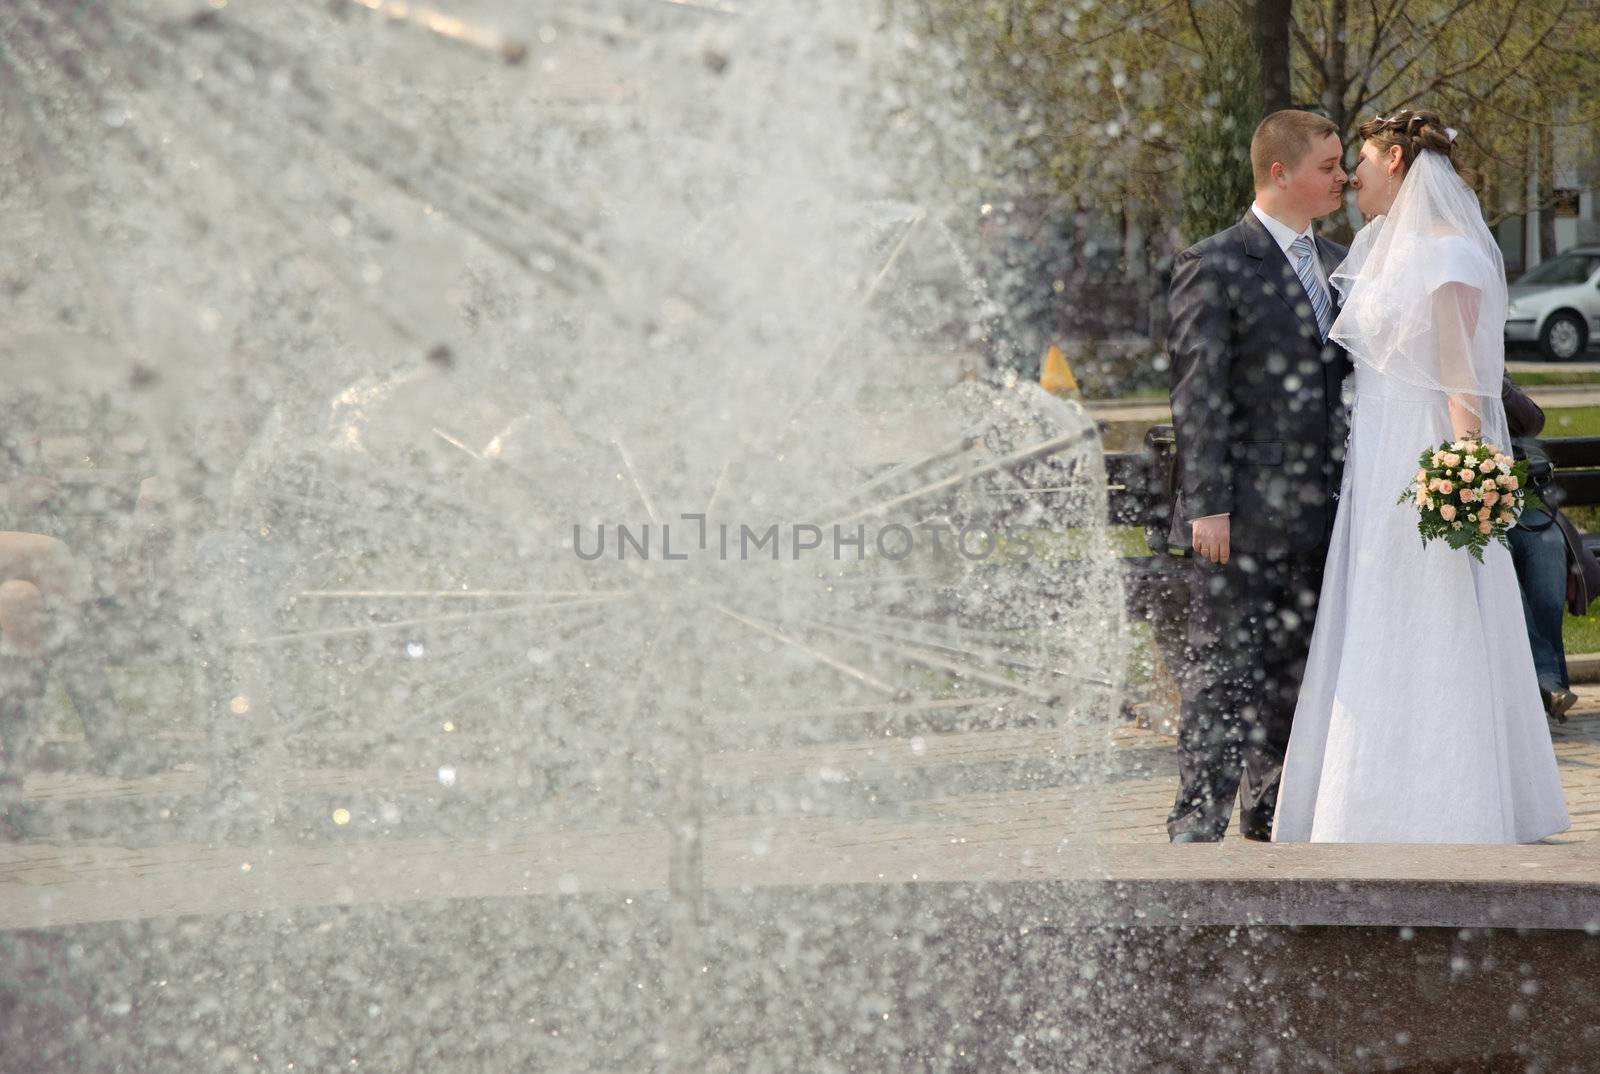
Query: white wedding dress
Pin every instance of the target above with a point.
(1419, 718)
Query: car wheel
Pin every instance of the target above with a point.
(1563, 338)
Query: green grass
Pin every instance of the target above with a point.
(1572, 421)
(1052, 546)
(1581, 634)
(1535, 380)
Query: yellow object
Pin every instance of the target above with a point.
(1055, 376)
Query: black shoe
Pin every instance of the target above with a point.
(1257, 836)
(1195, 837)
(1557, 703)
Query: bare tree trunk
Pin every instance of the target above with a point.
(1336, 76)
(1530, 197)
(1269, 28)
(1547, 193)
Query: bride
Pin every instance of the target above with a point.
(1419, 718)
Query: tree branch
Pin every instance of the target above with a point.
(1379, 24)
(1199, 35)
(1312, 54)
(1451, 75)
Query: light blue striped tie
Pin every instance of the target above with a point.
(1320, 304)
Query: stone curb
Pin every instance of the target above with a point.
(1583, 667)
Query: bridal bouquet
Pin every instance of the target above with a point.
(1469, 494)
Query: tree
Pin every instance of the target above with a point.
(1090, 97)
(1216, 177)
(1497, 71)
(1098, 107)
(1270, 21)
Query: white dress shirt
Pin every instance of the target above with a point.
(1285, 238)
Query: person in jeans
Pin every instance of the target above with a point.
(1548, 555)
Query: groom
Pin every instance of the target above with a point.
(1261, 428)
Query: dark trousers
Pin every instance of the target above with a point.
(1249, 631)
(1540, 556)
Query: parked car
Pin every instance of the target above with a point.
(1556, 305)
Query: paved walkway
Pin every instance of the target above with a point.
(1131, 772)
(1110, 825)
(1134, 811)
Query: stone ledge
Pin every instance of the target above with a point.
(1018, 863)
(1583, 667)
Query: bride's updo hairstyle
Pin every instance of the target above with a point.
(1413, 132)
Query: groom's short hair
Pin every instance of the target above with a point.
(1284, 138)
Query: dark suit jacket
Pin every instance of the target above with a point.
(1256, 398)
